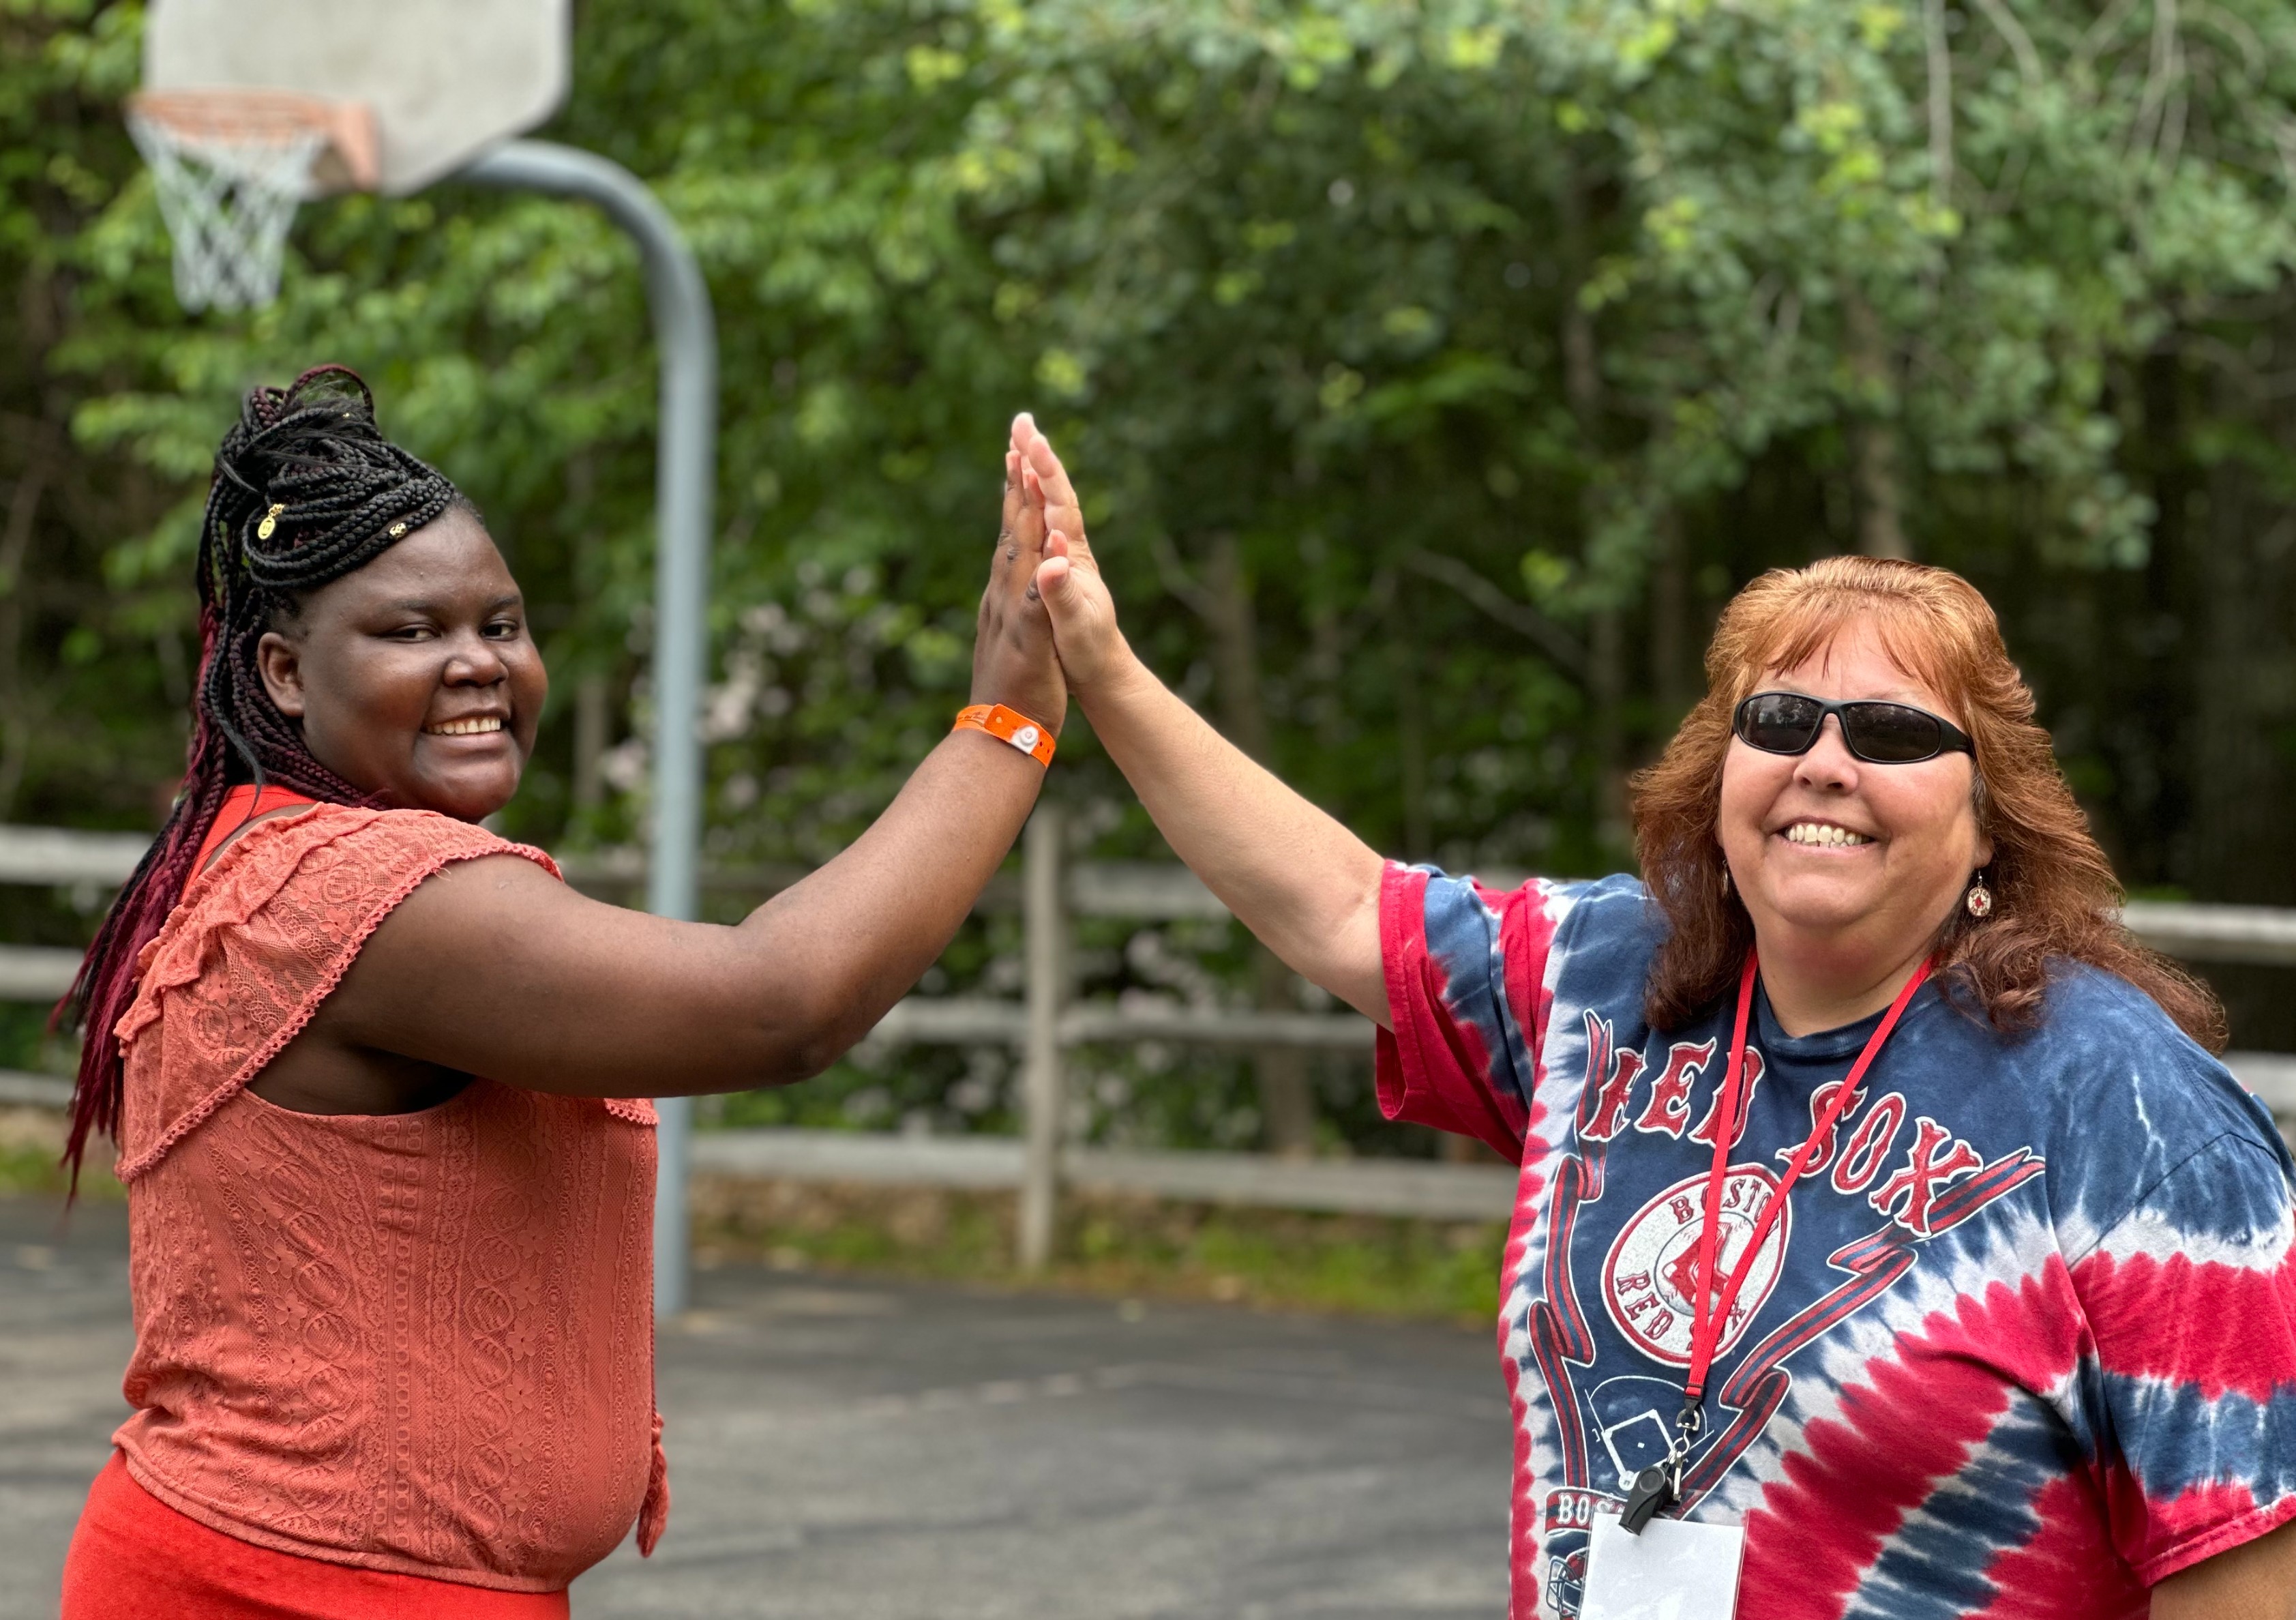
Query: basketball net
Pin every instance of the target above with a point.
(230, 168)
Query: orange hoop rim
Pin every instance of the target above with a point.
(277, 118)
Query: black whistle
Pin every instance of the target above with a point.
(1652, 1490)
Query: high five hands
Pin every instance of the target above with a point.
(1091, 649)
(1013, 660)
(1293, 875)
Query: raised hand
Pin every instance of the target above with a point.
(1083, 615)
(1012, 656)
(1296, 877)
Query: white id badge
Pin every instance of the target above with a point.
(1674, 1570)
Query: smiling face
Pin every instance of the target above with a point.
(1828, 852)
(414, 677)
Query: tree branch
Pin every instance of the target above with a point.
(2020, 44)
(1557, 643)
(1873, 440)
(1941, 56)
(2102, 33)
(2162, 69)
(1177, 580)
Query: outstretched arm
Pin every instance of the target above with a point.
(492, 967)
(2254, 1581)
(1296, 877)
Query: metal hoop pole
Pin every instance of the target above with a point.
(1044, 1084)
(685, 477)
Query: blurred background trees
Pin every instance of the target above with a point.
(1434, 372)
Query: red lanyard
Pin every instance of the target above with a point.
(1711, 1310)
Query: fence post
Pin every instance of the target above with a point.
(1043, 1082)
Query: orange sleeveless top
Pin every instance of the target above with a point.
(416, 1343)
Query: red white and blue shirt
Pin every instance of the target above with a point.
(2023, 1342)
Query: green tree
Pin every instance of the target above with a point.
(1435, 372)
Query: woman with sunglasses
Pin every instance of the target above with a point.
(1888, 1240)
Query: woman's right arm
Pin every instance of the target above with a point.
(1296, 877)
(492, 966)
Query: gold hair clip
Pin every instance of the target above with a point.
(396, 529)
(270, 521)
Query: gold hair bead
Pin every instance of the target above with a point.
(270, 521)
(396, 529)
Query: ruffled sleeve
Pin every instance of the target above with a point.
(259, 940)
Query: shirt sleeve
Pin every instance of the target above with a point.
(1465, 971)
(2191, 1304)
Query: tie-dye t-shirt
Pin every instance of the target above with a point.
(2023, 1342)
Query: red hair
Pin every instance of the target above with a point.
(2055, 893)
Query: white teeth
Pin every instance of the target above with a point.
(465, 728)
(1823, 835)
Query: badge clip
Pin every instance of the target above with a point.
(1660, 1485)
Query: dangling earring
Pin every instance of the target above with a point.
(1725, 883)
(1979, 898)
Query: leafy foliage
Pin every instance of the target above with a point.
(1435, 369)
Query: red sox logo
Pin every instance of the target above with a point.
(1649, 1278)
(1920, 1182)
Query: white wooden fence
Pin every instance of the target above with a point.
(1048, 1023)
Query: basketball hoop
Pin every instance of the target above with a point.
(230, 166)
(249, 107)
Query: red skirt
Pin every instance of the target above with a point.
(134, 1556)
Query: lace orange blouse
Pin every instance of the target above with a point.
(416, 1343)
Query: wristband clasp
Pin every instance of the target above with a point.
(1008, 726)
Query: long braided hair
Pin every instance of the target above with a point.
(306, 490)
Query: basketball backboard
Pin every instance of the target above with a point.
(437, 81)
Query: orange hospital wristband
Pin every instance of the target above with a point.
(1008, 726)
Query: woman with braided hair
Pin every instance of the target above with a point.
(376, 1075)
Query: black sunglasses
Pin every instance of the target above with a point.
(1878, 733)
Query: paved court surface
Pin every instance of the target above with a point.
(861, 1451)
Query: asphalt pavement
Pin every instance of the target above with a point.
(864, 1450)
